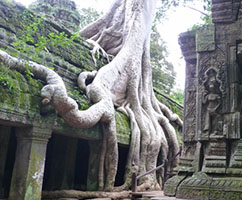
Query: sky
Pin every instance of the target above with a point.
(178, 20)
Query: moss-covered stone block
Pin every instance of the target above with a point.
(171, 185)
(205, 38)
(18, 93)
(203, 187)
(123, 128)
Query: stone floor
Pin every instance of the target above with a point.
(154, 195)
(144, 197)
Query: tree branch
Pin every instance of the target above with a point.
(203, 13)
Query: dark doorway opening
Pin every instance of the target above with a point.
(8, 144)
(82, 158)
(123, 154)
(60, 163)
(202, 155)
(66, 164)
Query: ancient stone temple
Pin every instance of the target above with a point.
(211, 161)
(38, 150)
(63, 12)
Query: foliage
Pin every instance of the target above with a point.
(162, 71)
(206, 15)
(178, 96)
(164, 5)
(6, 81)
(207, 19)
(32, 42)
(88, 15)
(83, 102)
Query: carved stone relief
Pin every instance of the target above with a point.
(215, 157)
(212, 101)
(190, 104)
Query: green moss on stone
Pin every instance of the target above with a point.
(171, 104)
(122, 127)
(19, 93)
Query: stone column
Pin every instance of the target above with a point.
(188, 47)
(29, 164)
(189, 153)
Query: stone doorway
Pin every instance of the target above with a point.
(122, 159)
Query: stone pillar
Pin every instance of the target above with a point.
(189, 153)
(187, 42)
(225, 11)
(29, 164)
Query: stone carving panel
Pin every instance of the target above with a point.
(212, 101)
(190, 104)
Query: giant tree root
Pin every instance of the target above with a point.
(52, 195)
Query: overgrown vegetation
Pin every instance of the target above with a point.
(33, 41)
(5, 80)
(88, 15)
(163, 73)
(206, 15)
(32, 44)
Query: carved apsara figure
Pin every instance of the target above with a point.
(211, 99)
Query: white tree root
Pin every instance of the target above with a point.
(69, 194)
